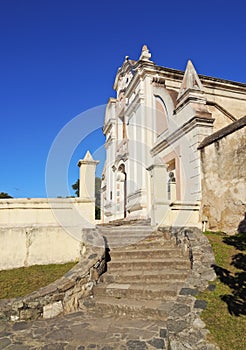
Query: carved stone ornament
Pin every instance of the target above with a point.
(145, 54)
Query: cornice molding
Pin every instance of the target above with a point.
(180, 132)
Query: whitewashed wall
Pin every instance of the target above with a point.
(43, 231)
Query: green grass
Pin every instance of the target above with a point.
(19, 282)
(225, 315)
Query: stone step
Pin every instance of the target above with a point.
(122, 227)
(123, 222)
(144, 253)
(117, 244)
(138, 291)
(118, 239)
(144, 244)
(130, 308)
(120, 242)
(126, 230)
(127, 235)
(144, 275)
(146, 264)
(147, 276)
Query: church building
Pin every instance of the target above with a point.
(154, 128)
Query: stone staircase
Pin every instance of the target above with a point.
(145, 272)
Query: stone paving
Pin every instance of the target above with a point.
(80, 331)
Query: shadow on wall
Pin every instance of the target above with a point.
(242, 225)
(236, 301)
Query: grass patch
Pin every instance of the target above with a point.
(225, 315)
(22, 281)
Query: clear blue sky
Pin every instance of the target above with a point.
(59, 58)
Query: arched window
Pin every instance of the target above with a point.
(161, 116)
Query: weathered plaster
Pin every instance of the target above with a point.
(223, 178)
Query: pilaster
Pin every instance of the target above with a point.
(159, 194)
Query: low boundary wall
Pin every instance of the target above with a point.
(42, 230)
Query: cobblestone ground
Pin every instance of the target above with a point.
(79, 331)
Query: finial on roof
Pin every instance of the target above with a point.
(87, 159)
(191, 80)
(88, 156)
(145, 54)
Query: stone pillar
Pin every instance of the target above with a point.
(87, 168)
(159, 194)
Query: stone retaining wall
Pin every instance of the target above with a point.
(184, 327)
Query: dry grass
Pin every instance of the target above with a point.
(19, 282)
(225, 315)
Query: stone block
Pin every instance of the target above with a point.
(188, 291)
(4, 342)
(177, 345)
(30, 314)
(66, 286)
(176, 326)
(208, 275)
(200, 304)
(52, 310)
(157, 343)
(33, 304)
(136, 345)
(163, 333)
(17, 305)
(198, 323)
(211, 287)
(180, 310)
(14, 318)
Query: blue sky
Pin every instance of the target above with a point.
(59, 59)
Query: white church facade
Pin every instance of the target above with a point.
(175, 156)
(153, 130)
